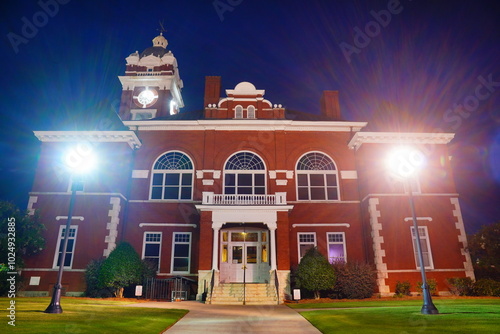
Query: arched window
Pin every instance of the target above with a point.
(251, 112)
(238, 112)
(317, 178)
(172, 177)
(245, 173)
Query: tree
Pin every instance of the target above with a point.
(315, 273)
(484, 249)
(122, 268)
(20, 236)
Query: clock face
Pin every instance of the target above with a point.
(146, 98)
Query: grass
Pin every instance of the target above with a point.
(86, 316)
(403, 316)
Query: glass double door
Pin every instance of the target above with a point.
(244, 257)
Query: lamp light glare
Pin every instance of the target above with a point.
(405, 161)
(81, 159)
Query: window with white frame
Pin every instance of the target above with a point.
(336, 247)
(172, 177)
(181, 252)
(245, 173)
(151, 249)
(306, 241)
(425, 245)
(317, 178)
(414, 183)
(238, 112)
(251, 112)
(70, 248)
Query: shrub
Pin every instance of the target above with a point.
(402, 289)
(315, 273)
(461, 286)
(487, 287)
(122, 268)
(432, 283)
(93, 288)
(354, 280)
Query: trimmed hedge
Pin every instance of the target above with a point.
(354, 280)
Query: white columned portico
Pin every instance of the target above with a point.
(216, 226)
(272, 229)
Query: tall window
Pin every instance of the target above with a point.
(238, 112)
(245, 173)
(181, 252)
(306, 241)
(251, 112)
(151, 249)
(426, 247)
(317, 178)
(70, 248)
(336, 247)
(172, 177)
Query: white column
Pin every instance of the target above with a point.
(272, 228)
(215, 247)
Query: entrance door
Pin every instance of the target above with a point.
(242, 260)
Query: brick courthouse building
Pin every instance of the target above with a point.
(238, 191)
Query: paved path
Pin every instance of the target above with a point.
(205, 318)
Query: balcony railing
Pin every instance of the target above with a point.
(222, 199)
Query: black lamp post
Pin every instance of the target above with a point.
(55, 303)
(405, 162)
(428, 307)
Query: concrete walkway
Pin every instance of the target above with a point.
(205, 318)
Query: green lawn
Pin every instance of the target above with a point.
(86, 316)
(403, 316)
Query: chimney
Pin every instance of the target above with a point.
(212, 90)
(329, 103)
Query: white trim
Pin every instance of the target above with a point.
(328, 243)
(181, 172)
(134, 113)
(410, 219)
(207, 182)
(60, 238)
(173, 252)
(66, 269)
(462, 238)
(112, 225)
(316, 172)
(77, 194)
(348, 174)
(406, 195)
(281, 182)
(243, 124)
(72, 217)
(325, 201)
(418, 270)
(32, 200)
(140, 174)
(428, 243)
(322, 225)
(378, 240)
(151, 242)
(315, 243)
(168, 224)
(128, 137)
(361, 138)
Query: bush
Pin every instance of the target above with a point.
(487, 287)
(93, 288)
(461, 286)
(402, 289)
(315, 273)
(122, 268)
(354, 280)
(432, 283)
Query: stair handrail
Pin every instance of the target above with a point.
(212, 283)
(277, 285)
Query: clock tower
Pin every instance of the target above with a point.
(151, 84)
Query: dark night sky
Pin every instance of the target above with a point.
(420, 69)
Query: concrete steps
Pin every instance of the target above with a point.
(253, 293)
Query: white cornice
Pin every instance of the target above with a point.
(128, 137)
(361, 138)
(252, 125)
